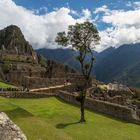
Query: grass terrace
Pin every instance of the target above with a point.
(5, 85)
(53, 119)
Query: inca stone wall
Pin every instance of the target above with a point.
(8, 130)
(17, 94)
(38, 82)
(115, 110)
(41, 94)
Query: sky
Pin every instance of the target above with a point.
(118, 21)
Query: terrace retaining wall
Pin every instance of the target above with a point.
(16, 94)
(115, 110)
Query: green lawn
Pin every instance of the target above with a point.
(52, 119)
(4, 85)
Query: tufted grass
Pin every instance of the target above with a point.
(53, 119)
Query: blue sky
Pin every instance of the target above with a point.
(118, 21)
(76, 5)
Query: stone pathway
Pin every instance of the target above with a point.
(48, 88)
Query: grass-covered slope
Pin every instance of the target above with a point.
(4, 85)
(52, 119)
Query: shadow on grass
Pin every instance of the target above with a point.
(18, 113)
(64, 125)
(96, 112)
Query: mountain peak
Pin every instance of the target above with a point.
(12, 41)
(14, 27)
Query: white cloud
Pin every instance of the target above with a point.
(41, 9)
(123, 18)
(73, 12)
(135, 5)
(86, 13)
(39, 30)
(103, 9)
(125, 28)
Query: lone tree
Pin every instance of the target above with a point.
(82, 37)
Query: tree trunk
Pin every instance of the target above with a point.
(82, 102)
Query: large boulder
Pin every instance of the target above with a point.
(8, 130)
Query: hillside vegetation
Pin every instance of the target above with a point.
(53, 119)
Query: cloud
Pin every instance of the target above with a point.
(103, 9)
(39, 30)
(40, 10)
(75, 13)
(123, 18)
(86, 13)
(124, 27)
(135, 5)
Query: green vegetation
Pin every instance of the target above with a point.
(4, 85)
(83, 37)
(52, 119)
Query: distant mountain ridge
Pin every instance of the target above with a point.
(64, 56)
(121, 64)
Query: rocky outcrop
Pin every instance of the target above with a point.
(14, 47)
(12, 41)
(8, 130)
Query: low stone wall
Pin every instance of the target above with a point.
(11, 94)
(115, 110)
(8, 130)
(40, 94)
(38, 82)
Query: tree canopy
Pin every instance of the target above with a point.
(82, 37)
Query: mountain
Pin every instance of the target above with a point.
(121, 64)
(13, 46)
(13, 42)
(64, 56)
(21, 65)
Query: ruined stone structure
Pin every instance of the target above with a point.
(22, 66)
(8, 130)
(115, 93)
(115, 110)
